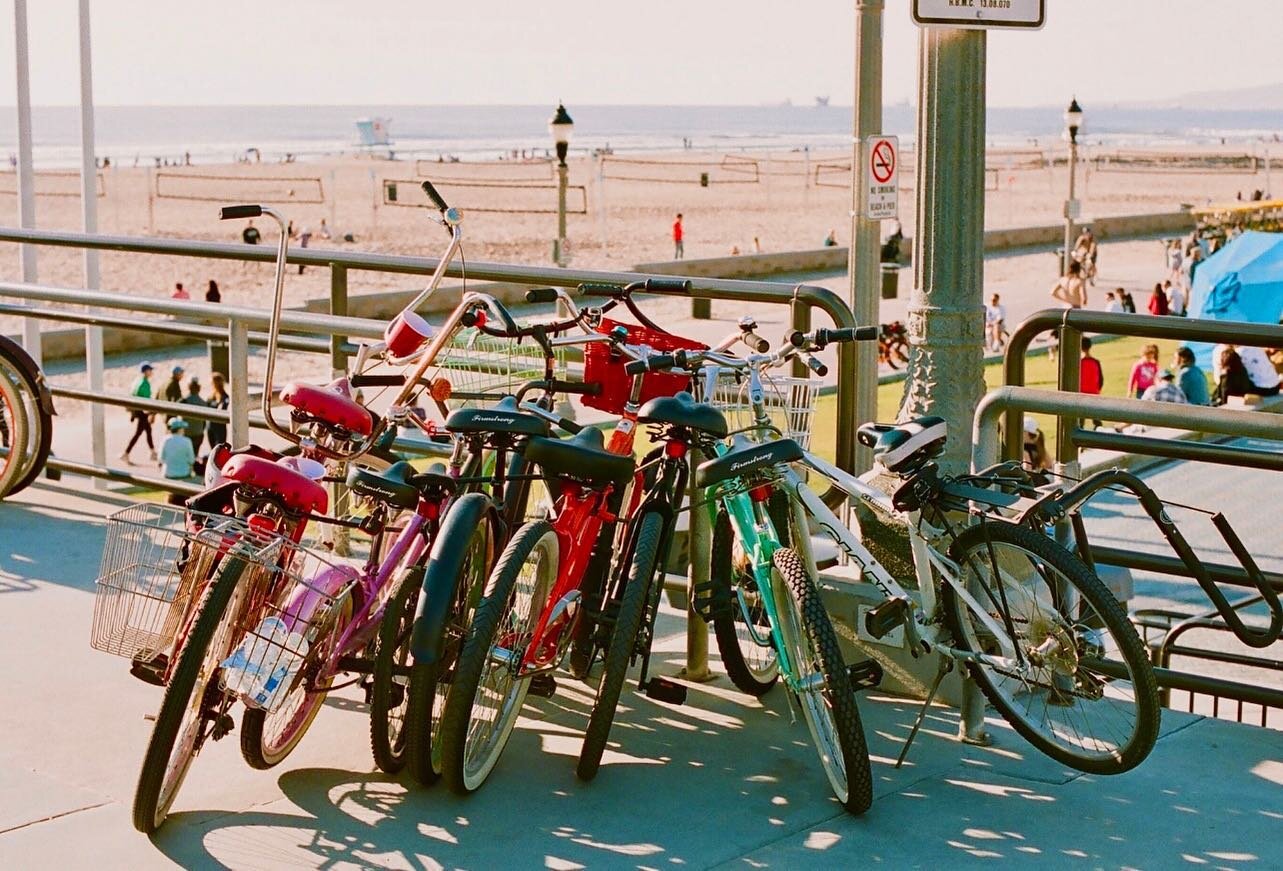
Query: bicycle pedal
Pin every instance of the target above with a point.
(886, 617)
(866, 675)
(151, 671)
(543, 685)
(662, 689)
(222, 725)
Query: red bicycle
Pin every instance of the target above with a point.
(560, 583)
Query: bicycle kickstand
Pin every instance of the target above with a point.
(946, 666)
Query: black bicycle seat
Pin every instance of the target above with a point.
(391, 486)
(903, 447)
(503, 417)
(582, 457)
(683, 410)
(746, 461)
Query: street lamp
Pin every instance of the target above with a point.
(1073, 123)
(561, 126)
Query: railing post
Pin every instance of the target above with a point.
(800, 320)
(1068, 367)
(338, 308)
(238, 382)
(699, 543)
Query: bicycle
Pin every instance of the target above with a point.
(26, 419)
(977, 583)
(553, 588)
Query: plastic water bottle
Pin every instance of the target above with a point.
(287, 664)
(255, 657)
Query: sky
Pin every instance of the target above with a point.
(601, 52)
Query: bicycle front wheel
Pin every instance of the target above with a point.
(822, 684)
(192, 701)
(740, 623)
(1063, 666)
(389, 691)
(14, 434)
(623, 643)
(486, 694)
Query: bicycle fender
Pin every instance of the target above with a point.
(441, 577)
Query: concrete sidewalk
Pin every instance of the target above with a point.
(723, 781)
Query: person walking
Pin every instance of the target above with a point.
(216, 430)
(1070, 288)
(212, 293)
(142, 419)
(1091, 377)
(995, 324)
(195, 426)
(1144, 371)
(1189, 378)
(1176, 298)
(1158, 300)
(179, 292)
(173, 391)
(679, 247)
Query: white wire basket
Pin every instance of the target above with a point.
(789, 402)
(475, 369)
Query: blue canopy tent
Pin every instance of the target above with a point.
(1241, 282)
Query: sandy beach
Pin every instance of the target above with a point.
(631, 203)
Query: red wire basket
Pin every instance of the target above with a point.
(605, 366)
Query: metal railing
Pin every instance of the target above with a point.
(1005, 406)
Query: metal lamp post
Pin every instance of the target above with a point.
(1073, 123)
(561, 127)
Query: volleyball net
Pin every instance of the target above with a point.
(503, 171)
(727, 169)
(307, 190)
(52, 183)
(1223, 163)
(533, 198)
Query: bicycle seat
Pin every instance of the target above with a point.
(582, 457)
(746, 461)
(391, 486)
(296, 491)
(503, 417)
(903, 447)
(683, 410)
(329, 405)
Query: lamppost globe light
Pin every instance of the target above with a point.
(1073, 119)
(561, 126)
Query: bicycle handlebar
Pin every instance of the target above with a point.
(822, 337)
(232, 213)
(434, 196)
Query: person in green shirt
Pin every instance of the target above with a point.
(142, 419)
(1189, 378)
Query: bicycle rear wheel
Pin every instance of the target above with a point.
(14, 434)
(486, 695)
(823, 686)
(740, 623)
(193, 700)
(25, 376)
(389, 691)
(623, 643)
(1075, 681)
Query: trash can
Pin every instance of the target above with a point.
(890, 280)
(218, 357)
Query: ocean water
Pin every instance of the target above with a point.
(218, 134)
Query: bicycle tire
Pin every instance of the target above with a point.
(389, 692)
(535, 539)
(835, 704)
(25, 375)
(623, 642)
(460, 567)
(13, 412)
(729, 619)
(1074, 572)
(203, 649)
(261, 751)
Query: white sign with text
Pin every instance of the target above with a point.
(980, 14)
(882, 177)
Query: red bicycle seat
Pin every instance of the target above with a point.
(296, 491)
(329, 406)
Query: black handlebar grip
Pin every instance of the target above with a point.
(866, 334)
(669, 285)
(376, 380)
(816, 366)
(434, 196)
(541, 294)
(755, 342)
(597, 289)
(797, 338)
(232, 213)
(635, 367)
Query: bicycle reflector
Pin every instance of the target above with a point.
(440, 389)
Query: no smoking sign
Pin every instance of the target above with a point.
(882, 174)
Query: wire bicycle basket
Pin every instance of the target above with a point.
(789, 402)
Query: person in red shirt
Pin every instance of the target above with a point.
(1091, 377)
(179, 292)
(679, 250)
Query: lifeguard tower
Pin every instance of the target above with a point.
(374, 137)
